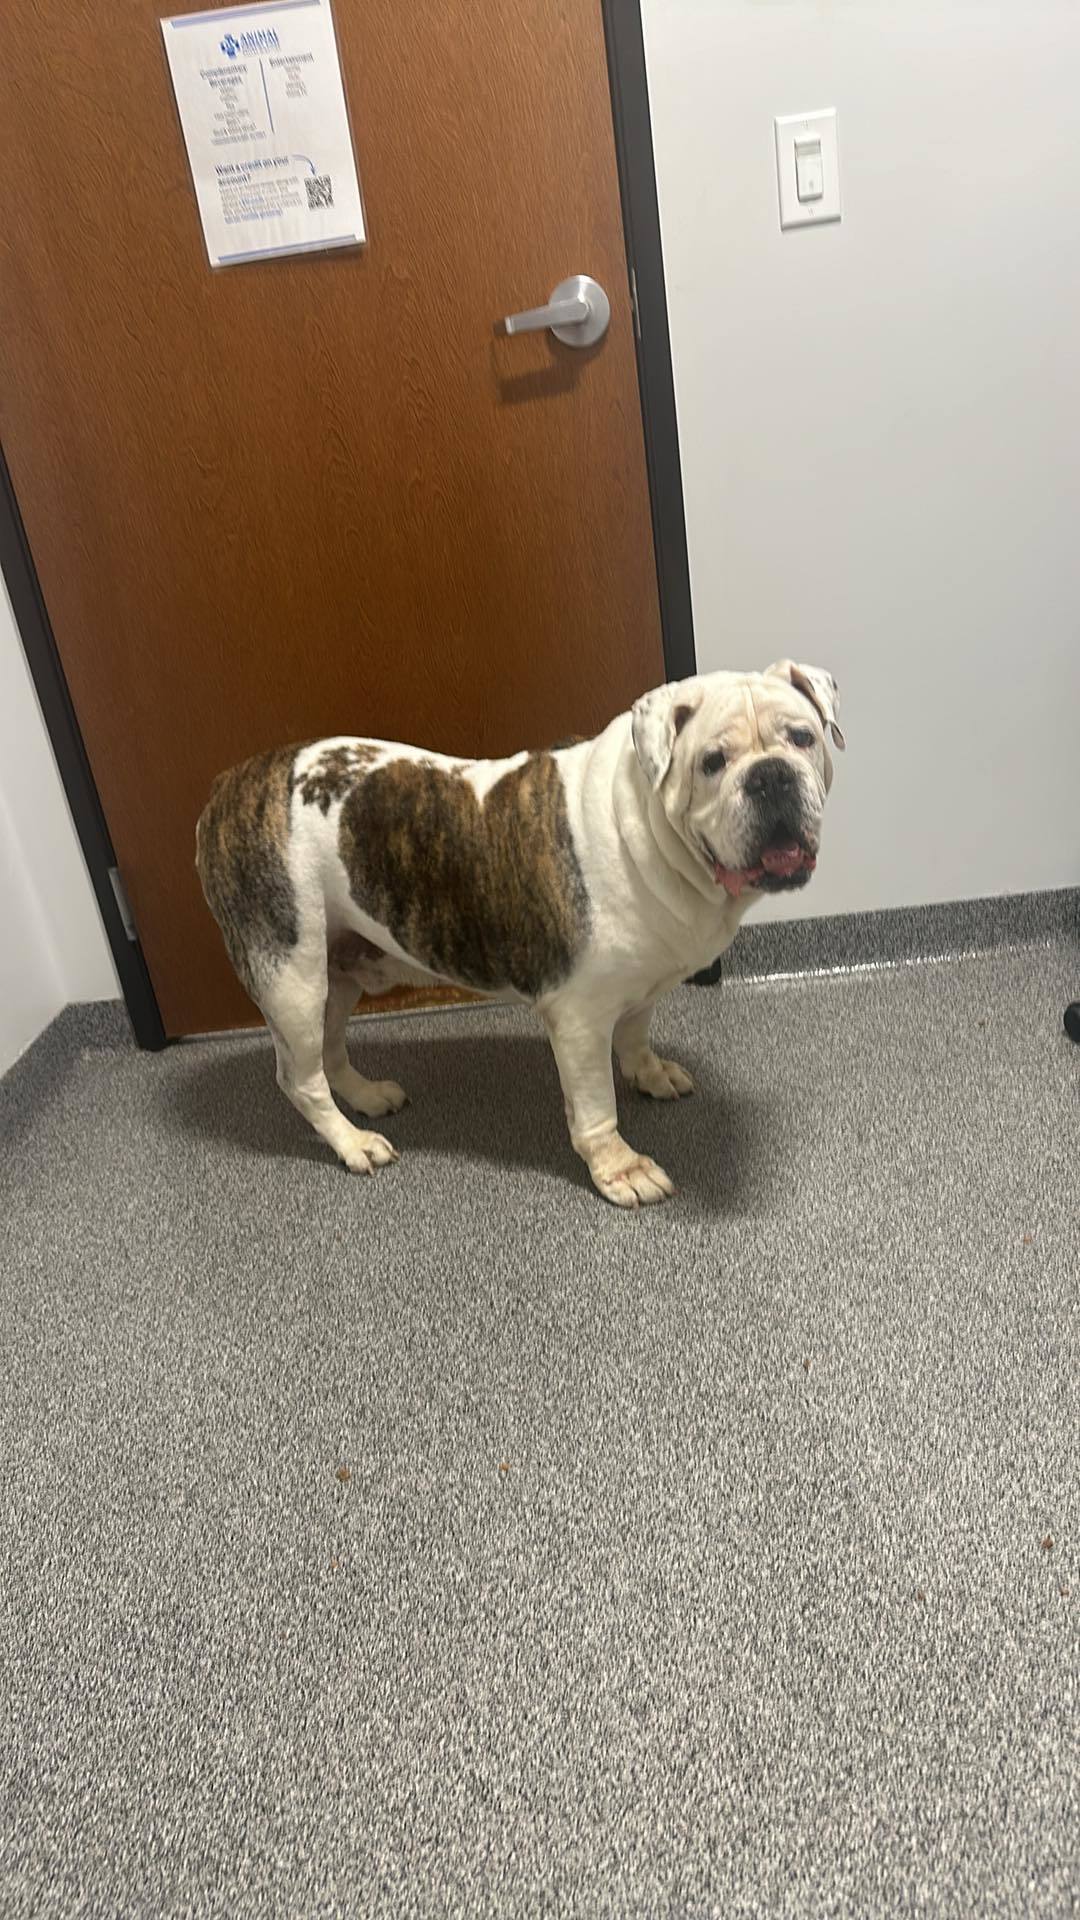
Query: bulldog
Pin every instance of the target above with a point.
(586, 881)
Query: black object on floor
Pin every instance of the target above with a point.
(1072, 1020)
(708, 977)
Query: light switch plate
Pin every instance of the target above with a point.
(807, 126)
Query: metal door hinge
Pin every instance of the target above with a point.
(123, 904)
(634, 303)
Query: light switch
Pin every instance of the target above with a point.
(808, 174)
(808, 168)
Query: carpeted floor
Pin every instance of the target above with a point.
(451, 1543)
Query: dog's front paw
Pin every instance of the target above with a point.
(660, 1079)
(366, 1151)
(628, 1179)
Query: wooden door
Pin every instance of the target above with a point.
(319, 494)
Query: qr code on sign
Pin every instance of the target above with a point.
(319, 193)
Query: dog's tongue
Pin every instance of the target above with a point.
(734, 879)
(783, 858)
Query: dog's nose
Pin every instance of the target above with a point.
(770, 779)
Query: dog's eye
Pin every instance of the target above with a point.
(714, 762)
(801, 736)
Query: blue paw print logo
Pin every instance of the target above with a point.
(230, 47)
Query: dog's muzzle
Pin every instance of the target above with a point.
(783, 842)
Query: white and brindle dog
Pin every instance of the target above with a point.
(586, 881)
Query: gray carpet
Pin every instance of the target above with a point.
(451, 1543)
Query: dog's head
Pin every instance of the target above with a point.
(741, 765)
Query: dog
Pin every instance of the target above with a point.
(586, 880)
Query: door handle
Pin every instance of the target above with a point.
(577, 313)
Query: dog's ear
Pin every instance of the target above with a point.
(819, 688)
(657, 720)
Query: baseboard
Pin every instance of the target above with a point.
(895, 935)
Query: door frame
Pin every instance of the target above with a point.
(625, 39)
(625, 45)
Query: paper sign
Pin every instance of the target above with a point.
(267, 132)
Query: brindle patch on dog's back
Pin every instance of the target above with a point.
(333, 772)
(489, 894)
(240, 855)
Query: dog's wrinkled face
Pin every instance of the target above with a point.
(741, 766)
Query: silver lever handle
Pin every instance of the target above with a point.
(560, 313)
(577, 313)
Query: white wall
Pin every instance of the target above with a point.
(52, 946)
(880, 421)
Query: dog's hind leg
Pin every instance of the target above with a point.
(372, 1098)
(295, 1003)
